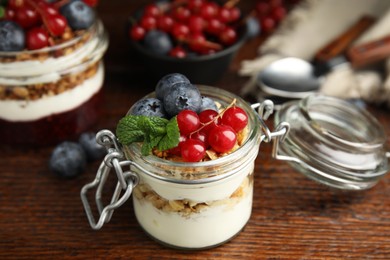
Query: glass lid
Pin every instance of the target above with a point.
(334, 142)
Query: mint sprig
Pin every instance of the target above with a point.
(151, 130)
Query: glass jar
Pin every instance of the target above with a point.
(334, 142)
(52, 94)
(204, 204)
(192, 205)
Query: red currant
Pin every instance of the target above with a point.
(224, 15)
(196, 42)
(10, 14)
(177, 150)
(209, 10)
(137, 33)
(235, 14)
(148, 22)
(188, 121)
(15, 4)
(178, 52)
(207, 120)
(180, 31)
(222, 138)
(182, 14)
(194, 5)
(214, 26)
(192, 150)
(27, 17)
(201, 136)
(275, 3)
(262, 9)
(267, 24)
(152, 10)
(56, 24)
(235, 117)
(165, 23)
(37, 38)
(228, 36)
(47, 10)
(278, 13)
(196, 24)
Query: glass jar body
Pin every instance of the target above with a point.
(197, 205)
(52, 94)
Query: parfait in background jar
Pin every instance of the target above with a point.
(51, 70)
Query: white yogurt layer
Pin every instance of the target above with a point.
(212, 226)
(20, 110)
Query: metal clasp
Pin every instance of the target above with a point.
(264, 110)
(126, 180)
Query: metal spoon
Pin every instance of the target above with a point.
(295, 78)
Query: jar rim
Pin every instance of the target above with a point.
(252, 140)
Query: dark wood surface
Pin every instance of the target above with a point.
(41, 216)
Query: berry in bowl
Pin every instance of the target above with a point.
(191, 151)
(196, 38)
(51, 70)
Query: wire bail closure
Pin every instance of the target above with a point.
(126, 180)
(264, 110)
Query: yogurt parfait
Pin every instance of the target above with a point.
(194, 149)
(51, 72)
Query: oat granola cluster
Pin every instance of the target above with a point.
(144, 193)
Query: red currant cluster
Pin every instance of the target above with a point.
(198, 26)
(39, 19)
(208, 129)
(271, 12)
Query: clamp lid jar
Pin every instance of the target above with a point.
(334, 142)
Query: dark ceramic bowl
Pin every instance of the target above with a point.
(202, 69)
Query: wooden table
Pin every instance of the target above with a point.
(41, 216)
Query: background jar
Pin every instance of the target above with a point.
(197, 205)
(52, 94)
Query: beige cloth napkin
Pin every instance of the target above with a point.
(309, 27)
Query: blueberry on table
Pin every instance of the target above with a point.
(158, 42)
(149, 107)
(182, 96)
(12, 37)
(78, 14)
(92, 149)
(253, 27)
(167, 82)
(68, 160)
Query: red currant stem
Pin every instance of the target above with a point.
(231, 3)
(207, 44)
(220, 114)
(60, 3)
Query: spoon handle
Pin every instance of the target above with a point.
(342, 42)
(369, 53)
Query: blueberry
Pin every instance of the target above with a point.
(12, 36)
(167, 82)
(92, 149)
(208, 103)
(253, 27)
(181, 96)
(149, 107)
(68, 160)
(78, 14)
(158, 42)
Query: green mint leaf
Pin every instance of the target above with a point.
(171, 139)
(152, 131)
(152, 125)
(128, 130)
(149, 143)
